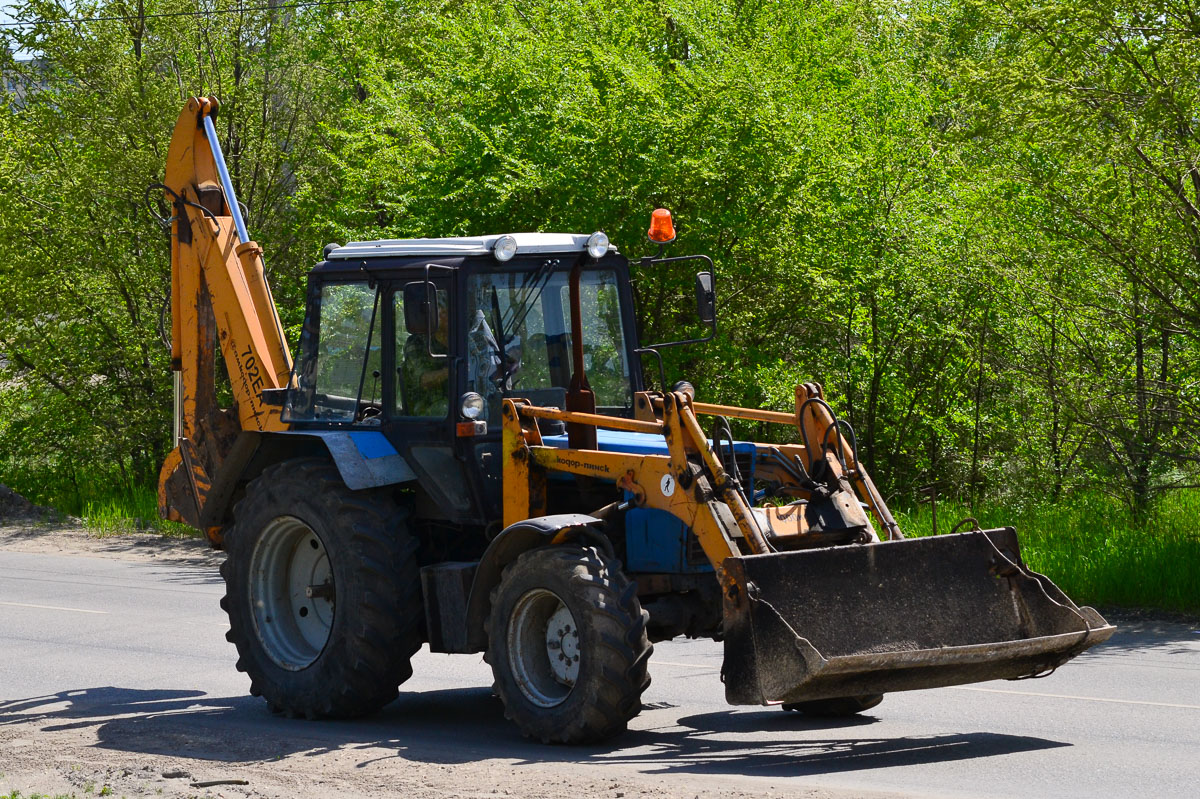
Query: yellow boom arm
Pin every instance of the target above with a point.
(218, 293)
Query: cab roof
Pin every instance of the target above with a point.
(527, 244)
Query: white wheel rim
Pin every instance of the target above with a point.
(543, 647)
(289, 560)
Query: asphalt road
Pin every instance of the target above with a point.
(137, 650)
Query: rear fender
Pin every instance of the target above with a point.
(364, 459)
(509, 545)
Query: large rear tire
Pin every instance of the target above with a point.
(322, 591)
(567, 644)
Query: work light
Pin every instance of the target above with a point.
(504, 248)
(471, 405)
(597, 244)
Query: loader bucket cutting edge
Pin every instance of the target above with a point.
(895, 616)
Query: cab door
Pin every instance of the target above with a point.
(422, 392)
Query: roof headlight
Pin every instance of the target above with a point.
(597, 244)
(471, 405)
(504, 248)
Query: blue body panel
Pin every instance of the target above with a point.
(372, 444)
(618, 441)
(637, 443)
(655, 541)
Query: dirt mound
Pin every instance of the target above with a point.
(15, 508)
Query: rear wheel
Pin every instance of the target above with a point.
(838, 707)
(567, 644)
(322, 592)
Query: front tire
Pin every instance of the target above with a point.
(322, 592)
(567, 644)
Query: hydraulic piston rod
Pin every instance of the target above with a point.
(235, 210)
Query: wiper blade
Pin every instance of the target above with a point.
(537, 280)
(367, 356)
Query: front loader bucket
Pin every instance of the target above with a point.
(895, 616)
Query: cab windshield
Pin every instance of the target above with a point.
(519, 335)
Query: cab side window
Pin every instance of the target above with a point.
(339, 364)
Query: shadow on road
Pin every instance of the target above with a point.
(196, 562)
(464, 725)
(799, 746)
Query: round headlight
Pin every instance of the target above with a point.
(686, 388)
(597, 244)
(504, 248)
(471, 405)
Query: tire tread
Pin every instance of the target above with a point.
(359, 672)
(621, 654)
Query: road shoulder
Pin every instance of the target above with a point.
(71, 538)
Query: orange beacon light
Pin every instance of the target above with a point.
(662, 230)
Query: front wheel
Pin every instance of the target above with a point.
(567, 644)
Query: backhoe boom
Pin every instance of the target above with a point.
(218, 293)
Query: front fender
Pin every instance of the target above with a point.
(508, 545)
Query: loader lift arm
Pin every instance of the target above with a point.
(815, 607)
(690, 481)
(218, 292)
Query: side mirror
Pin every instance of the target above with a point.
(420, 308)
(706, 300)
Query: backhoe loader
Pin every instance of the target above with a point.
(464, 454)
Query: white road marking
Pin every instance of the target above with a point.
(710, 667)
(53, 607)
(1084, 698)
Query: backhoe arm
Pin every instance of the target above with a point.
(218, 293)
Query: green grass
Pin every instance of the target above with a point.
(108, 504)
(130, 512)
(1092, 548)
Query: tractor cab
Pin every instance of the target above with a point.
(419, 341)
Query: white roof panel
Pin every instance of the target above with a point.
(527, 243)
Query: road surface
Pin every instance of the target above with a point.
(115, 671)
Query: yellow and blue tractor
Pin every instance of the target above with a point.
(464, 454)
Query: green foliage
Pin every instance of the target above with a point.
(1094, 548)
(974, 221)
(84, 372)
(1089, 115)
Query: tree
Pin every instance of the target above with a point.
(1092, 108)
(83, 325)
